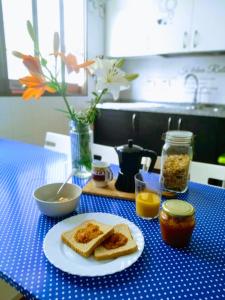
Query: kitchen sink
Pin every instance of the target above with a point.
(214, 108)
(201, 107)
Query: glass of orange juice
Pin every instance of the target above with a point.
(147, 195)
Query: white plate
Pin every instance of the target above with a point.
(64, 258)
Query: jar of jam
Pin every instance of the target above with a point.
(175, 160)
(177, 222)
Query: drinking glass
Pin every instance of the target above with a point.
(147, 195)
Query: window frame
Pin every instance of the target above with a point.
(4, 80)
(6, 83)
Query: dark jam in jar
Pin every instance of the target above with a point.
(177, 222)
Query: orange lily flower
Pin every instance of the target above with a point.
(33, 64)
(36, 87)
(70, 61)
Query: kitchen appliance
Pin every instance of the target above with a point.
(130, 157)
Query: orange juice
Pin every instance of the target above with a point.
(147, 204)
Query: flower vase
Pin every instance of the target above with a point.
(81, 144)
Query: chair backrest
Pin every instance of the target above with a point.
(146, 163)
(61, 143)
(203, 172)
(158, 163)
(58, 142)
(105, 153)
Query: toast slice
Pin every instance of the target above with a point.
(86, 248)
(130, 246)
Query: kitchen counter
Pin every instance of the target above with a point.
(184, 109)
(145, 123)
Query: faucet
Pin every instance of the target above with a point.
(195, 78)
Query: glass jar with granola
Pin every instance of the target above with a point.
(175, 160)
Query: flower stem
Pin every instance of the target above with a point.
(67, 106)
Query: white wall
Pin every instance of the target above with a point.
(28, 121)
(162, 78)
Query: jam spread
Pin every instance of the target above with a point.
(177, 222)
(176, 231)
(116, 240)
(88, 233)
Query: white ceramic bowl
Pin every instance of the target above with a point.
(45, 197)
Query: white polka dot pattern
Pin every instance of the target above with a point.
(196, 272)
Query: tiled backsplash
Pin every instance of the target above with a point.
(163, 78)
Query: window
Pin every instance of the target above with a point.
(48, 16)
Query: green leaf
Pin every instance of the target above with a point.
(61, 110)
(53, 85)
(120, 63)
(43, 62)
(30, 30)
(72, 109)
(131, 77)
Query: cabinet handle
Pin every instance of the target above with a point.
(169, 123)
(185, 39)
(179, 123)
(196, 39)
(134, 121)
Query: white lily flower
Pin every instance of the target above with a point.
(109, 76)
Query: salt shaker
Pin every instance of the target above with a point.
(175, 160)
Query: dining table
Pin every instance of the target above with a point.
(161, 272)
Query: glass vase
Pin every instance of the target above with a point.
(81, 144)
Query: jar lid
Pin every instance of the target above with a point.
(178, 208)
(179, 136)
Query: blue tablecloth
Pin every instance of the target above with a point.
(196, 272)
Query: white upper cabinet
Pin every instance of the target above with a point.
(208, 25)
(171, 26)
(127, 27)
(145, 27)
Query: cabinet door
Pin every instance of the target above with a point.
(208, 25)
(171, 26)
(152, 126)
(208, 132)
(127, 27)
(114, 128)
(220, 134)
(205, 130)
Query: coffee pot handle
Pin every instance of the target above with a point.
(153, 155)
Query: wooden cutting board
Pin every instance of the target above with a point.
(108, 191)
